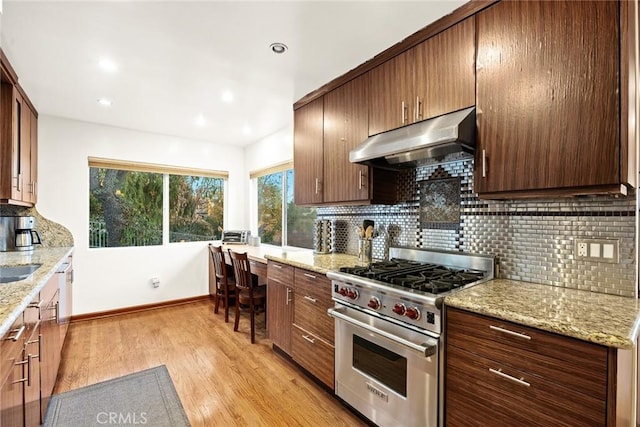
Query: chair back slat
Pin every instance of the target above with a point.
(242, 269)
(219, 266)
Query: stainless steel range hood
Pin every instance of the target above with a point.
(433, 138)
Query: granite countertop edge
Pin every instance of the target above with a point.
(16, 296)
(608, 320)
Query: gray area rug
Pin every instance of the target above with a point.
(143, 398)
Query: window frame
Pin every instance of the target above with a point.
(253, 205)
(166, 171)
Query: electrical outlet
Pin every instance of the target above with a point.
(582, 249)
(599, 250)
(155, 282)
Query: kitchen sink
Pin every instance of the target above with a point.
(17, 272)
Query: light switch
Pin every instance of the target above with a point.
(594, 250)
(607, 251)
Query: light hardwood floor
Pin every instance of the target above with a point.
(220, 377)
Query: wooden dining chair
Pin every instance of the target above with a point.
(225, 283)
(250, 296)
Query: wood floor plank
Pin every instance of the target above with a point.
(220, 377)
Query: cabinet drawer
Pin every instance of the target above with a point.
(313, 354)
(573, 363)
(478, 396)
(313, 284)
(12, 346)
(259, 269)
(281, 272)
(311, 314)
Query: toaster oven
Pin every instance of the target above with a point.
(240, 237)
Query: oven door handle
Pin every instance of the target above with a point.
(428, 348)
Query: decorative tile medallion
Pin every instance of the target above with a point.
(440, 203)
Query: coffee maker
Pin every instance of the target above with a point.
(17, 233)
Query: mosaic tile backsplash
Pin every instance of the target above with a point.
(532, 240)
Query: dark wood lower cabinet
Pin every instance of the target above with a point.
(502, 374)
(314, 354)
(11, 393)
(297, 318)
(30, 356)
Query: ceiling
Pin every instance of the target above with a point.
(176, 60)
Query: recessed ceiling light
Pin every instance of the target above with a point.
(200, 120)
(107, 65)
(104, 102)
(278, 47)
(246, 129)
(227, 96)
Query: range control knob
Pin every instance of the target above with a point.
(399, 309)
(374, 303)
(343, 292)
(412, 313)
(352, 294)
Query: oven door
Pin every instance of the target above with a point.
(387, 372)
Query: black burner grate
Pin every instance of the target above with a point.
(423, 277)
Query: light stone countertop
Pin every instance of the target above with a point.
(609, 320)
(303, 258)
(15, 296)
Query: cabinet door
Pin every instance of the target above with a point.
(444, 68)
(32, 355)
(280, 314)
(308, 153)
(547, 95)
(11, 402)
(280, 304)
(32, 187)
(391, 94)
(50, 348)
(345, 127)
(18, 147)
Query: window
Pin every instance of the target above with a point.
(196, 206)
(279, 221)
(130, 202)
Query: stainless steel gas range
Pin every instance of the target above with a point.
(389, 331)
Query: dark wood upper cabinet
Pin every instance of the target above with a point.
(308, 153)
(433, 78)
(345, 127)
(18, 141)
(548, 99)
(390, 94)
(445, 71)
(325, 130)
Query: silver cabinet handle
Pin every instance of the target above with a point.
(520, 381)
(428, 348)
(311, 340)
(506, 331)
(316, 185)
(311, 276)
(417, 115)
(308, 298)
(359, 180)
(484, 163)
(276, 266)
(35, 304)
(288, 296)
(404, 112)
(18, 332)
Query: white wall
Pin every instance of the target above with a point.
(112, 278)
(271, 150)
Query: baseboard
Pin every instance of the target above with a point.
(136, 309)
